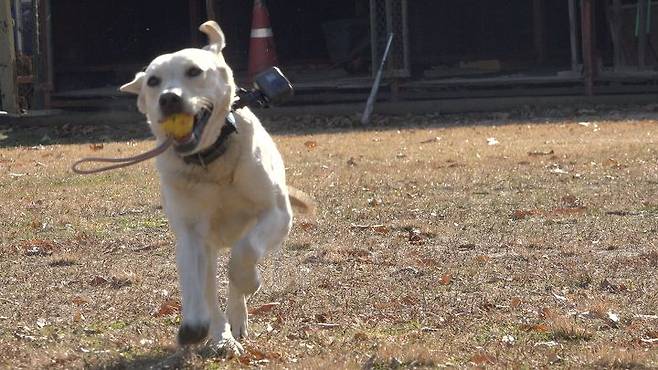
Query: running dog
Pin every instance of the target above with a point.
(223, 186)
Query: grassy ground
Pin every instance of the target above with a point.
(433, 248)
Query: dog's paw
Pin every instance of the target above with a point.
(239, 328)
(192, 333)
(237, 318)
(226, 347)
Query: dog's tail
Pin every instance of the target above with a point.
(301, 202)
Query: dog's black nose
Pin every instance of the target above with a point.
(170, 103)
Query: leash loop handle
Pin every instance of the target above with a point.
(119, 162)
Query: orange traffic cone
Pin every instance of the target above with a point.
(262, 53)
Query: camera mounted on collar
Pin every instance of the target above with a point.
(270, 87)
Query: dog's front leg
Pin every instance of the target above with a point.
(268, 234)
(193, 263)
(222, 341)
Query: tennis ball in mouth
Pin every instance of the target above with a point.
(178, 125)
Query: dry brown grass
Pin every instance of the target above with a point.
(428, 252)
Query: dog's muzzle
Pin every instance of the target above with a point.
(190, 142)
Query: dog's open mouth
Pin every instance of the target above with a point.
(189, 142)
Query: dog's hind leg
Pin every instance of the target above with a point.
(269, 233)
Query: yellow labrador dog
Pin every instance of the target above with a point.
(223, 186)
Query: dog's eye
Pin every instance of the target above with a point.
(153, 81)
(193, 71)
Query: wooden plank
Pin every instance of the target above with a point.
(572, 36)
(8, 87)
(588, 57)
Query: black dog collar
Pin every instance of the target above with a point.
(218, 148)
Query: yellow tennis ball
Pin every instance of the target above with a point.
(178, 125)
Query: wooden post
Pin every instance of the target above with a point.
(538, 30)
(195, 22)
(613, 12)
(573, 36)
(42, 62)
(211, 12)
(588, 57)
(642, 33)
(8, 90)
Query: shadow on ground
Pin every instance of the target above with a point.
(155, 360)
(111, 126)
(165, 358)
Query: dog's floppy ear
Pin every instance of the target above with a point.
(216, 39)
(134, 86)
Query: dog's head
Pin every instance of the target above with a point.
(197, 82)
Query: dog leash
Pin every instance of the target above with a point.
(120, 162)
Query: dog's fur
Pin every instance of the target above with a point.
(239, 201)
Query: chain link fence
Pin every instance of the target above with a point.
(390, 16)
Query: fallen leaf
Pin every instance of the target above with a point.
(267, 307)
(515, 303)
(520, 214)
(360, 336)
(415, 236)
(98, 280)
(79, 300)
(96, 147)
(382, 229)
(537, 328)
(482, 259)
(409, 300)
(168, 307)
(38, 247)
(611, 287)
(570, 201)
(546, 313)
(483, 359)
(570, 211)
(307, 225)
(256, 357)
(446, 279)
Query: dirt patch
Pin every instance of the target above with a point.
(435, 246)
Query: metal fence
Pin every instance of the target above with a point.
(390, 16)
